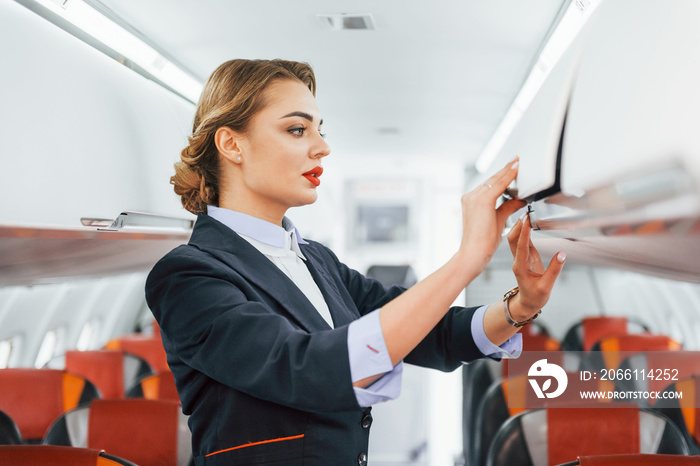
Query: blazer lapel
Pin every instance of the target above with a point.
(227, 246)
(340, 310)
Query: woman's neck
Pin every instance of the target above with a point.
(269, 214)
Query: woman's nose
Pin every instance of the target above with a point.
(322, 149)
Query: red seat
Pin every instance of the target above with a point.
(147, 347)
(33, 398)
(147, 432)
(554, 435)
(50, 455)
(610, 351)
(679, 364)
(159, 386)
(584, 334)
(112, 372)
(635, 460)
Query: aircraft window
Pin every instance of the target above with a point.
(48, 347)
(6, 351)
(87, 334)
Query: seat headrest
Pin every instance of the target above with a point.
(142, 431)
(33, 398)
(591, 431)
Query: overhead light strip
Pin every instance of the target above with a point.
(567, 29)
(129, 48)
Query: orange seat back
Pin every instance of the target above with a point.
(160, 387)
(52, 455)
(638, 460)
(104, 368)
(33, 398)
(592, 431)
(142, 431)
(687, 363)
(149, 348)
(597, 328)
(615, 348)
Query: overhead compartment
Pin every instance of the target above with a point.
(537, 136)
(629, 168)
(133, 242)
(632, 136)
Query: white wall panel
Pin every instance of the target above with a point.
(82, 135)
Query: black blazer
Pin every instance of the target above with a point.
(263, 377)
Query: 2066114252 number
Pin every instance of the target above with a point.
(639, 374)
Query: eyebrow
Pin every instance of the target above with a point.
(304, 115)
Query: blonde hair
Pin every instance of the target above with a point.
(232, 95)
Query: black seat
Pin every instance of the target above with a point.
(389, 275)
(555, 435)
(9, 433)
(513, 395)
(477, 377)
(684, 412)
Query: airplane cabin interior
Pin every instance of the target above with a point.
(423, 101)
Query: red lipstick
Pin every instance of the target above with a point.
(312, 175)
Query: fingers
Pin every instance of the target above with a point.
(507, 209)
(500, 180)
(553, 269)
(522, 245)
(514, 234)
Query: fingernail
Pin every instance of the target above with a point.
(561, 257)
(522, 217)
(515, 165)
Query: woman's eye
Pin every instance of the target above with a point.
(297, 131)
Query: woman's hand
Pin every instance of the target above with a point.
(535, 282)
(482, 222)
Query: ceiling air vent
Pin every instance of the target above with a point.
(340, 21)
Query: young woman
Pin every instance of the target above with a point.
(278, 349)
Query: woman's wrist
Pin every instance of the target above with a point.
(468, 266)
(518, 311)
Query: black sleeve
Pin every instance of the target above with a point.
(446, 347)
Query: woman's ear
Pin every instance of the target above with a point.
(228, 143)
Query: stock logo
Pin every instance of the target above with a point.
(542, 370)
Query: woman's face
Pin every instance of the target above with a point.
(281, 153)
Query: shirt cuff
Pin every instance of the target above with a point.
(368, 357)
(510, 349)
(388, 387)
(366, 348)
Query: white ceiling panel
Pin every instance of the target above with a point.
(434, 78)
